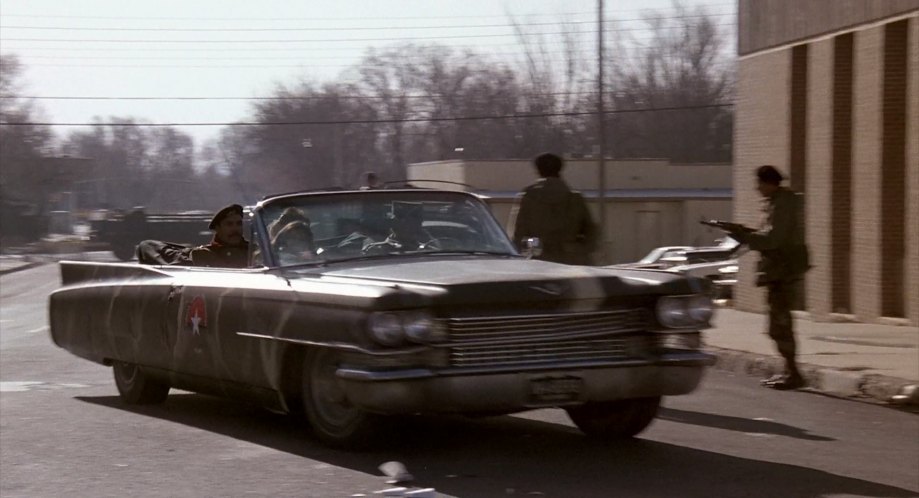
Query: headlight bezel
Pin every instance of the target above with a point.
(398, 328)
(688, 311)
(385, 327)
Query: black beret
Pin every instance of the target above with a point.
(769, 174)
(223, 213)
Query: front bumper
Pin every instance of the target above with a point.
(405, 391)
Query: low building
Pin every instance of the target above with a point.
(649, 203)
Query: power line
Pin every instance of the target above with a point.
(381, 121)
(273, 19)
(240, 30)
(327, 40)
(313, 97)
(357, 28)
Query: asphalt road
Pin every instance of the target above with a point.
(64, 432)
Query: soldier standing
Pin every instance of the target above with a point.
(783, 262)
(550, 210)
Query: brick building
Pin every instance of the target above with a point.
(828, 91)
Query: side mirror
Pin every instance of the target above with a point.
(532, 248)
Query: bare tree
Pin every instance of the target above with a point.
(682, 65)
(554, 84)
(22, 145)
(392, 78)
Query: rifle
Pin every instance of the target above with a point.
(727, 226)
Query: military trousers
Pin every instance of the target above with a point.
(781, 298)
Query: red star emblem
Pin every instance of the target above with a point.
(196, 315)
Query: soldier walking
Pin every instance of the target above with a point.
(783, 262)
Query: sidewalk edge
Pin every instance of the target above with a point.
(825, 380)
(22, 267)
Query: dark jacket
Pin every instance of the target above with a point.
(784, 255)
(559, 217)
(221, 255)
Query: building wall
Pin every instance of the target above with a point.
(765, 24)
(912, 175)
(819, 210)
(760, 137)
(860, 166)
(580, 174)
(866, 152)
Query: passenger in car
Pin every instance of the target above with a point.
(294, 243)
(289, 215)
(228, 248)
(406, 230)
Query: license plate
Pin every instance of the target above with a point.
(555, 390)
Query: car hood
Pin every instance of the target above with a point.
(503, 279)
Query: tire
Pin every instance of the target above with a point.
(611, 420)
(137, 388)
(335, 421)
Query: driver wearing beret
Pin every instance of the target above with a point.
(228, 248)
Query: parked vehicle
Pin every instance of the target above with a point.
(660, 257)
(721, 270)
(122, 231)
(368, 323)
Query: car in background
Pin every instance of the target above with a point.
(353, 330)
(660, 257)
(718, 264)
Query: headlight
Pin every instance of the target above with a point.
(684, 311)
(386, 328)
(671, 311)
(421, 327)
(700, 308)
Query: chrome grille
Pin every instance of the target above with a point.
(529, 353)
(529, 340)
(532, 327)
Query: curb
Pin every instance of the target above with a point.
(22, 267)
(848, 384)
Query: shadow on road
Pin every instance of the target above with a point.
(498, 456)
(737, 424)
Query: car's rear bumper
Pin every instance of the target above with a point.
(468, 391)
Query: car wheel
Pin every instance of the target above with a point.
(136, 387)
(615, 419)
(333, 418)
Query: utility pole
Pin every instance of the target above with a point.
(601, 131)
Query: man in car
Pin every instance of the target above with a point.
(294, 242)
(228, 248)
(406, 230)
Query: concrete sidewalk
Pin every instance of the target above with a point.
(859, 360)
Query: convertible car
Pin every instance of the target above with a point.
(388, 303)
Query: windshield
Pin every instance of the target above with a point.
(321, 228)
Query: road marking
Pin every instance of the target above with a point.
(16, 387)
(25, 386)
(39, 329)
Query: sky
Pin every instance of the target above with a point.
(156, 60)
